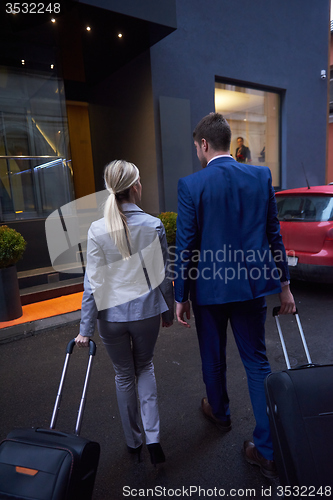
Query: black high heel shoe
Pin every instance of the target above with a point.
(135, 451)
(156, 453)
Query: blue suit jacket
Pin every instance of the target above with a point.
(229, 246)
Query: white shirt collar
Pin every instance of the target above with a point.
(219, 156)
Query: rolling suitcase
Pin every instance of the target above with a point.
(300, 411)
(44, 464)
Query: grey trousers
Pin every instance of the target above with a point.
(131, 347)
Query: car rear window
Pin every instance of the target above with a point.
(305, 208)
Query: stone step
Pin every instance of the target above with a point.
(38, 293)
(46, 276)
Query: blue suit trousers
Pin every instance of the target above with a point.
(247, 320)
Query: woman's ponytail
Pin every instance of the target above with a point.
(119, 176)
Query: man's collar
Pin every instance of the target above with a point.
(218, 156)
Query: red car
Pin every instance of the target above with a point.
(306, 219)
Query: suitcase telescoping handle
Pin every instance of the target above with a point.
(69, 350)
(276, 316)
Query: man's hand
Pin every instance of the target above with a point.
(82, 341)
(287, 301)
(181, 309)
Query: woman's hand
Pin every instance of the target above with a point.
(166, 324)
(82, 341)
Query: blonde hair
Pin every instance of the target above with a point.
(119, 176)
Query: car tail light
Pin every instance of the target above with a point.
(329, 235)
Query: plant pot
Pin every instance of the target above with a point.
(10, 300)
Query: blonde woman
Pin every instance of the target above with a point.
(127, 287)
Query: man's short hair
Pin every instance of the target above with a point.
(216, 130)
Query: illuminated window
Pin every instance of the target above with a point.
(254, 116)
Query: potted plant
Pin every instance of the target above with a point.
(12, 246)
(169, 220)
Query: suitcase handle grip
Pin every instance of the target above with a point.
(277, 309)
(71, 344)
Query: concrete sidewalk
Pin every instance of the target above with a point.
(198, 455)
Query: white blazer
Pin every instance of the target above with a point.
(120, 290)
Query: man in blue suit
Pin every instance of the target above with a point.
(230, 255)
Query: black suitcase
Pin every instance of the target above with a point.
(300, 411)
(44, 464)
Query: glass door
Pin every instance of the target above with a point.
(35, 168)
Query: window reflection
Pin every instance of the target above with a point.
(35, 173)
(254, 118)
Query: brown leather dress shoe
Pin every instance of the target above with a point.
(224, 426)
(253, 456)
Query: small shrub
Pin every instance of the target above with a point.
(169, 220)
(12, 246)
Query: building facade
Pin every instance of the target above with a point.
(329, 176)
(105, 79)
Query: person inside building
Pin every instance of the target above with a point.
(127, 289)
(243, 154)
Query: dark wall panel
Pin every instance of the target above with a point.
(270, 44)
(175, 116)
(122, 126)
